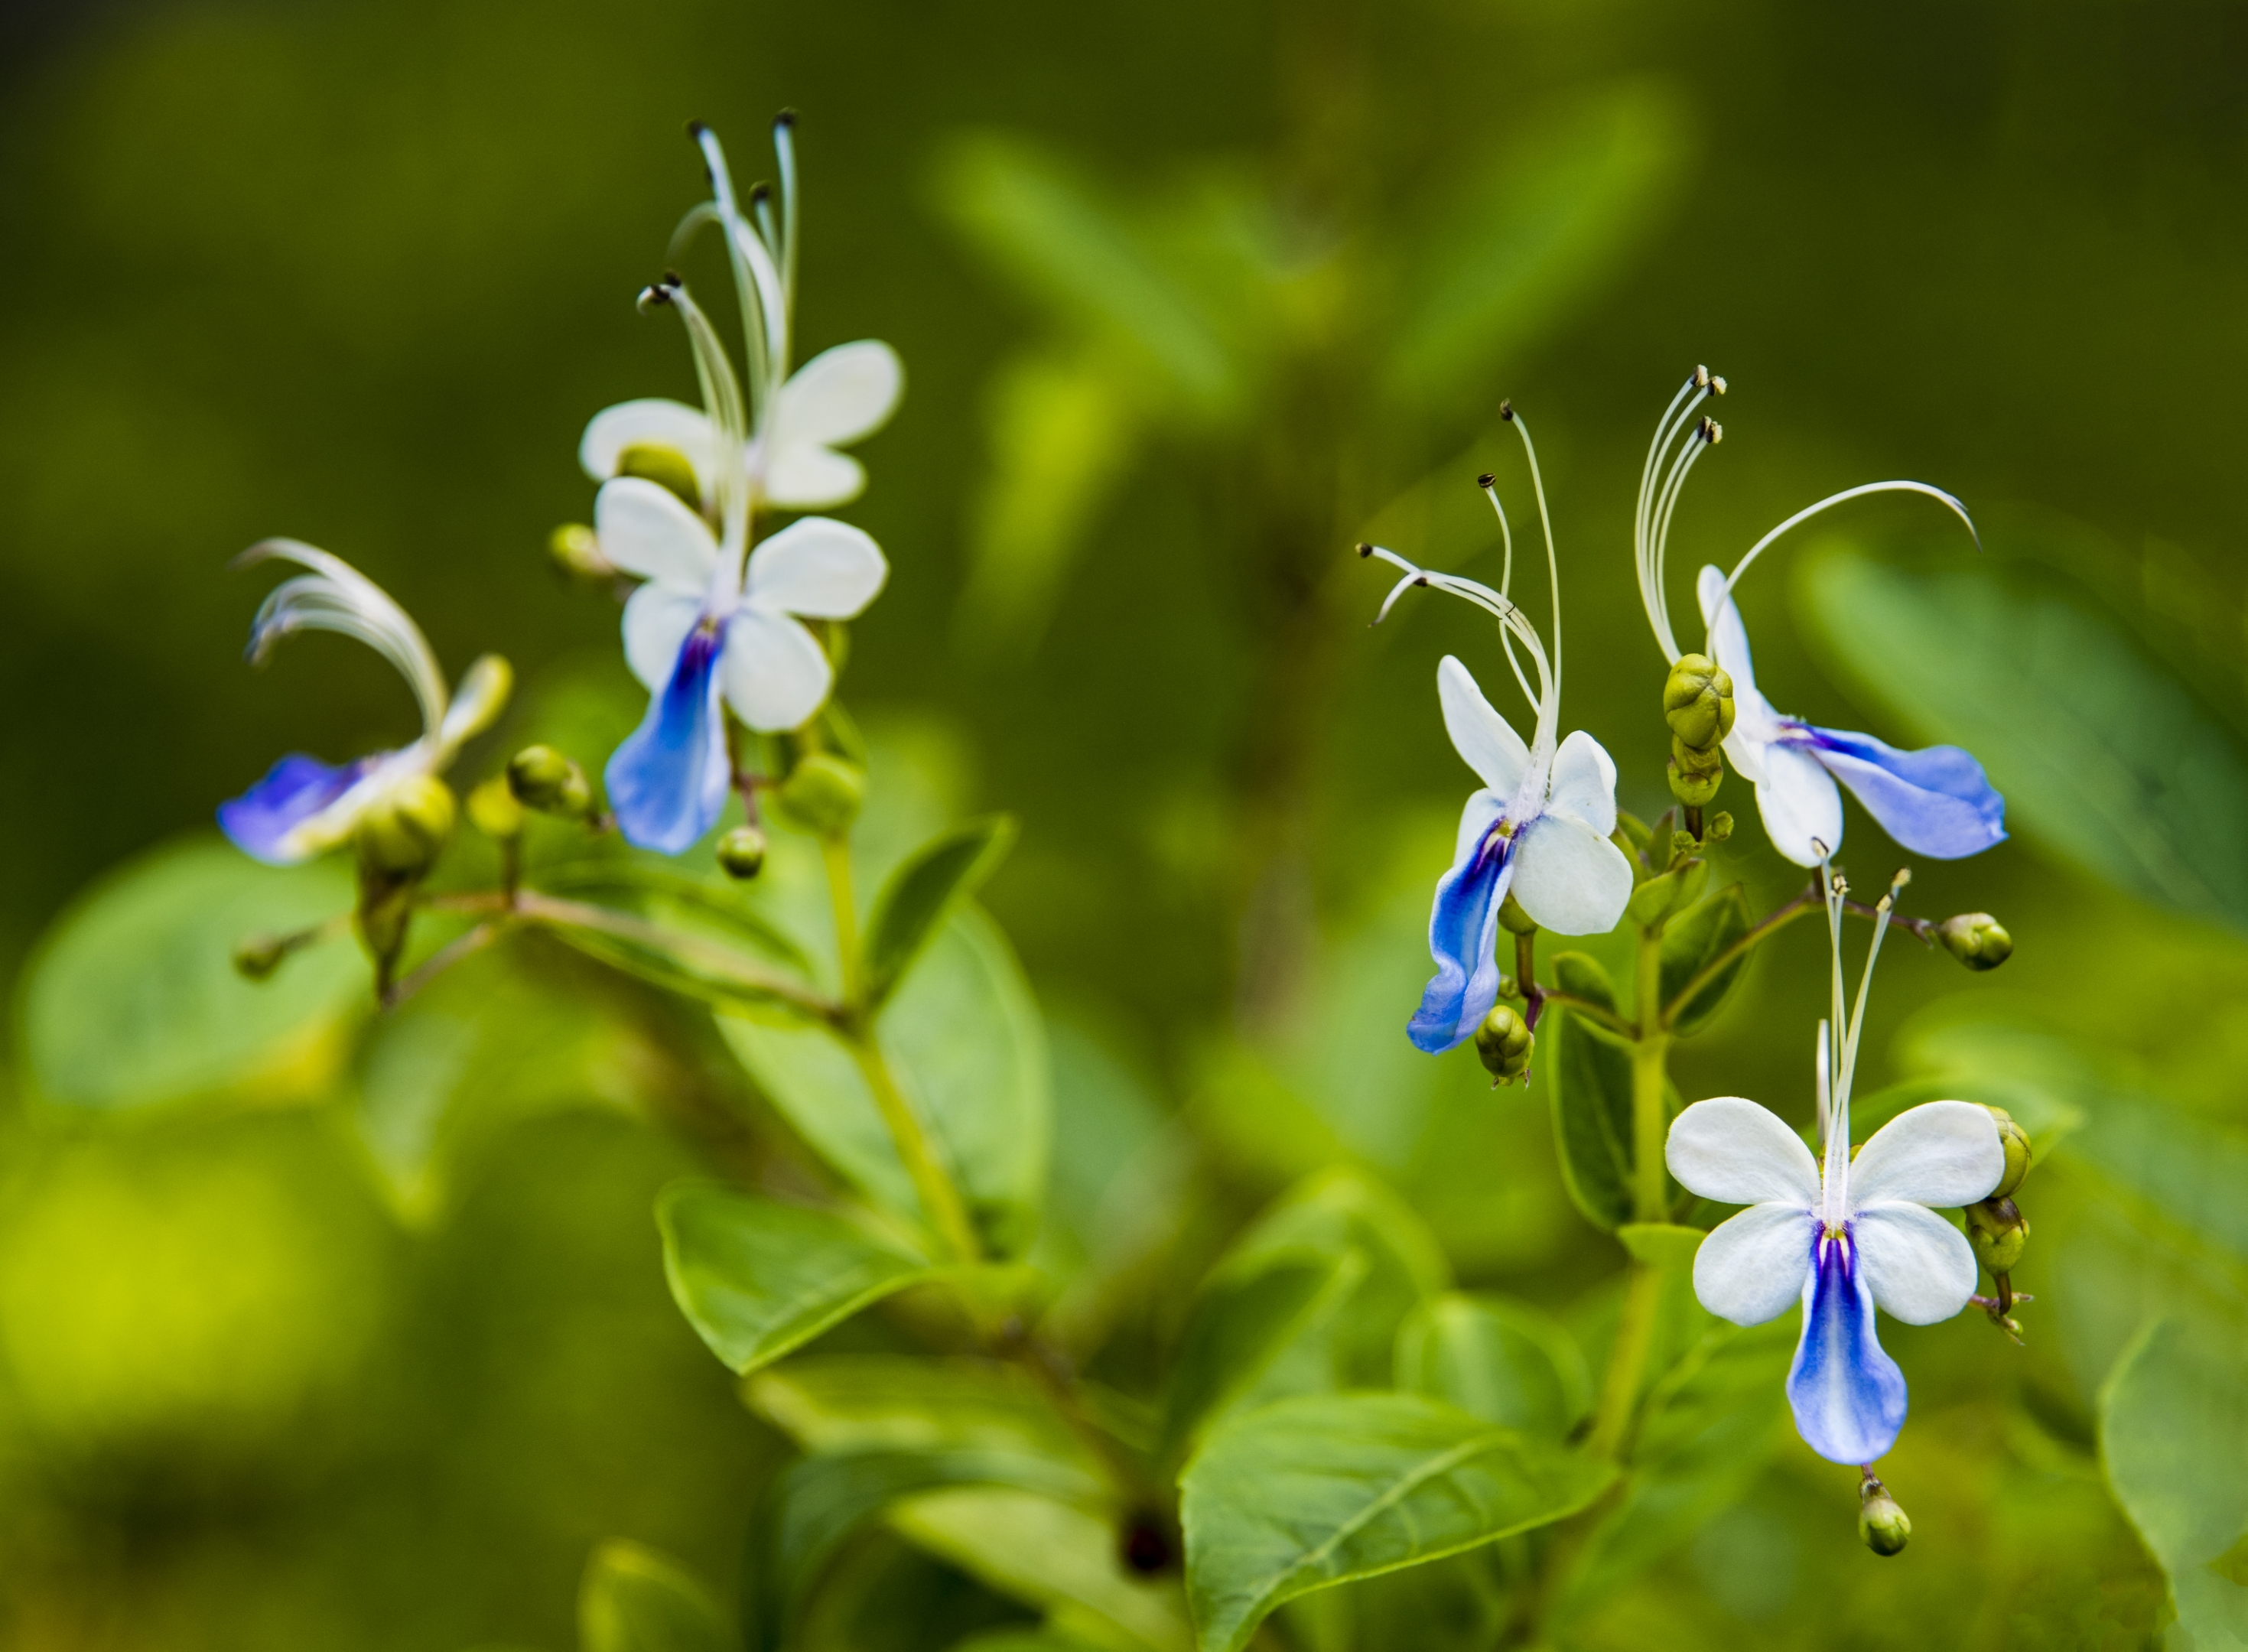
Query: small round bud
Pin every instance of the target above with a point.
(666, 467)
(1508, 987)
(1882, 1526)
(577, 551)
(256, 956)
(2016, 1141)
(822, 793)
(1682, 843)
(741, 851)
(402, 835)
(543, 780)
(1977, 939)
(1503, 1043)
(1720, 828)
(493, 810)
(1694, 777)
(1697, 702)
(1999, 1233)
(1514, 918)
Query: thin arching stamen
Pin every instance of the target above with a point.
(722, 400)
(336, 597)
(1489, 483)
(1546, 520)
(1863, 488)
(785, 152)
(1825, 1086)
(1662, 461)
(1705, 435)
(1481, 596)
(757, 281)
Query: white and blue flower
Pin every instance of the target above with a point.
(717, 624)
(304, 806)
(1935, 801)
(1841, 1238)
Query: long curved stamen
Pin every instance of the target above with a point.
(1650, 521)
(1546, 520)
(757, 280)
(336, 597)
(1826, 1081)
(784, 153)
(1706, 434)
(1489, 483)
(1863, 488)
(722, 400)
(1546, 700)
(1838, 1139)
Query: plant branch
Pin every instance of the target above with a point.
(1590, 1011)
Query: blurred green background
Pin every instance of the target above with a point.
(357, 274)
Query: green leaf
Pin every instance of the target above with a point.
(2174, 1435)
(1690, 944)
(927, 889)
(1244, 1316)
(1589, 1074)
(132, 999)
(965, 1041)
(1654, 900)
(1585, 977)
(2104, 755)
(757, 1277)
(1497, 1359)
(869, 1402)
(1319, 1490)
(634, 1600)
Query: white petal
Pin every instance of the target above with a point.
(1752, 1266)
(1729, 1149)
(840, 395)
(657, 620)
(1569, 877)
(1583, 787)
(820, 567)
(774, 672)
(1800, 804)
(651, 422)
(1941, 1153)
(645, 530)
(803, 475)
(1484, 738)
(1729, 638)
(1921, 1268)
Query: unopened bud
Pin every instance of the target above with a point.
(741, 851)
(1503, 1042)
(1694, 776)
(1508, 987)
(402, 835)
(256, 956)
(1514, 918)
(543, 779)
(577, 551)
(1720, 828)
(666, 467)
(1882, 1526)
(1697, 702)
(1999, 1233)
(2016, 1141)
(1977, 939)
(493, 810)
(822, 793)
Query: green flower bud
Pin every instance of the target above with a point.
(1977, 939)
(822, 793)
(667, 467)
(256, 956)
(1513, 918)
(1999, 1233)
(1697, 702)
(543, 779)
(1694, 776)
(1720, 828)
(494, 812)
(577, 551)
(402, 835)
(2016, 1141)
(1882, 1526)
(1503, 1042)
(741, 851)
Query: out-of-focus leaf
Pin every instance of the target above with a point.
(757, 1277)
(1586, 977)
(1532, 235)
(634, 1600)
(869, 1402)
(1658, 898)
(1690, 944)
(1589, 1074)
(1051, 233)
(1319, 1489)
(1244, 1314)
(2174, 1435)
(1051, 1555)
(964, 1040)
(1497, 1359)
(133, 999)
(2104, 755)
(924, 891)
(1062, 432)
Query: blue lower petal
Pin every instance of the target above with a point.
(292, 791)
(1463, 929)
(668, 781)
(1935, 801)
(1848, 1395)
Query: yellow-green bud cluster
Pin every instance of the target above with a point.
(1697, 703)
(1882, 1526)
(666, 467)
(741, 851)
(543, 780)
(494, 810)
(822, 793)
(576, 551)
(1503, 1044)
(402, 835)
(1977, 939)
(1996, 1228)
(2016, 1141)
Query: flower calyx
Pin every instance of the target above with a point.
(1999, 1233)
(1977, 939)
(1503, 1044)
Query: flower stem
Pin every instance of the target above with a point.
(1650, 1055)
(1635, 1338)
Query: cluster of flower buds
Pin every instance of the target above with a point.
(1504, 1043)
(1697, 703)
(1996, 1227)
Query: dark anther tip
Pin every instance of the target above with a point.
(1364, 548)
(786, 118)
(696, 128)
(1507, 411)
(1422, 580)
(762, 192)
(672, 278)
(1486, 480)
